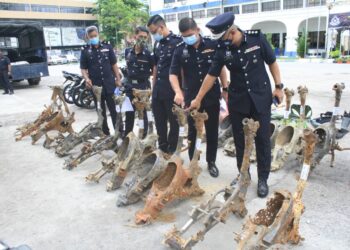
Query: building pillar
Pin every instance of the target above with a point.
(291, 40)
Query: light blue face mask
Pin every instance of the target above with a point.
(190, 40)
(157, 36)
(94, 41)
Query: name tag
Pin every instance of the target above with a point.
(207, 51)
(252, 49)
(104, 50)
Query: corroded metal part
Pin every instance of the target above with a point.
(289, 138)
(176, 181)
(57, 100)
(213, 212)
(289, 93)
(279, 222)
(57, 121)
(327, 142)
(105, 143)
(151, 166)
(138, 151)
(302, 91)
(142, 103)
(288, 141)
(90, 131)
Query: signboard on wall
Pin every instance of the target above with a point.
(339, 20)
(52, 36)
(73, 36)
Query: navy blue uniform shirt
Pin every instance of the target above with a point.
(4, 63)
(99, 61)
(249, 78)
(139, 66)
(195, 64)
(163, 54)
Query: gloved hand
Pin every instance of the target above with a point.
(117, 91)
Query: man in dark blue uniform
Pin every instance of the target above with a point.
(140, 65)
(193, 58)
(163, 94)
(5, 70)
(98, 65)
(250, 94)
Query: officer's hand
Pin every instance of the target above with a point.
(279, 94)
(179, 98)
(88, 83)
(118, 83)
(195, 104)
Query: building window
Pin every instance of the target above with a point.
(234, 9)
(198, 14)
(292, 4)
(88, 10)
(213, 12)
(312, 39)
(182, 15)
(169, 1)
(44, 8)
(170, 17)
(311, 3)
(270, 6)
(71, 10)
(250, 8)
(14, 6)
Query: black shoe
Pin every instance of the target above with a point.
(213, 170)
(11, 92)
(341, 133)
(5, 93)
(263, 188)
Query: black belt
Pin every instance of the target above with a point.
(138, 81)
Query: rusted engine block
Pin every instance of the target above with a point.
(289, 138)
(176, 181)
(279, 222)
(328, 143)
(91, 131)
(213, 211)
(151, 166)
(105, 143)
(57, 100)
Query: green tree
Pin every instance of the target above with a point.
(119, 17)
(301, 45)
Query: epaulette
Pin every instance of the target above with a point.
(252, 32)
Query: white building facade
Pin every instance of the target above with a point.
(284, 20)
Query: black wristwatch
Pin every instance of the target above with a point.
(225, 89)
(279, 86)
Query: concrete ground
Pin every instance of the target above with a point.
(47, 207)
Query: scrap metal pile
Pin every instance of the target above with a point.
(160, 179)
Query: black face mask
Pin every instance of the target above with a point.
(141, 42)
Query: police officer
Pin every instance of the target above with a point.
(99, 67)
(163, 94)
(193, 57)
(250, 94)
(5, 71)
(140, 65)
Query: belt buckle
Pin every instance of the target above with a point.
(134, 81)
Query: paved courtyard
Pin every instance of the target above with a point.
(47, 207)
